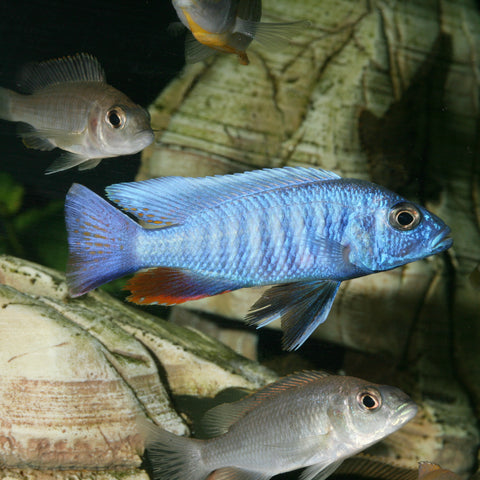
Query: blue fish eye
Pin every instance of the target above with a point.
(404, 216)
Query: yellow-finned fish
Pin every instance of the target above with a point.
(70, 106)
(228, 26)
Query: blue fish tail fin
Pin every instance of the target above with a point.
(173, 457)
(100, 239)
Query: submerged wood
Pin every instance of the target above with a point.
(381, 90)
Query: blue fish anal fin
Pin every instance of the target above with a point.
(174, 199)
(170, 286)
(232, 473)
(100, 240)
(301, 306)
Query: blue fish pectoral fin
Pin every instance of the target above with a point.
(196, 51)
(219, 419)
(69, 160)
(320, 471)
(232, 473)
(170, 286)
(301, 306)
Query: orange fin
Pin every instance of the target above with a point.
(169, 286)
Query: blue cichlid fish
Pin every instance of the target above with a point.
(310, 419)
(70, 106)
(302, 228)
(229, 26)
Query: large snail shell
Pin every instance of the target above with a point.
(74, 380)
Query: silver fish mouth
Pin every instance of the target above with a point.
(442, 241)
(405, 413)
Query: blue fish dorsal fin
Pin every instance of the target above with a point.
(171, 200)
(77, 68)
(219, 419)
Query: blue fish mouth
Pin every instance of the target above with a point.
(442, 241)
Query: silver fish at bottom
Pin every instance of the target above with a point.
(309, 420)
(70, 106)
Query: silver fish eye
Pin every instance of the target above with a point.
(116, 117)
(369, 400)
(404, 216)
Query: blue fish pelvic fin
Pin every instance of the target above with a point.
(301, 306)
(100, 239)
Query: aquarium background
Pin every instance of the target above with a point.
(140, 57)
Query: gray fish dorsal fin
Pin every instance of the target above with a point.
(171, 200)
(219, 419)
(80, 67)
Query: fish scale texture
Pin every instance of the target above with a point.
(263, 239)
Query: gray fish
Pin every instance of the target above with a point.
(70, 106)
(311, 419)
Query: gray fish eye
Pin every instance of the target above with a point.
(116, 117)
(404, 216)
(369, 400)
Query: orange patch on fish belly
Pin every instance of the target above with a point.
(217, 41)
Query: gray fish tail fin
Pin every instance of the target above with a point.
(5, 103)
(101, 241)
(173, 457)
